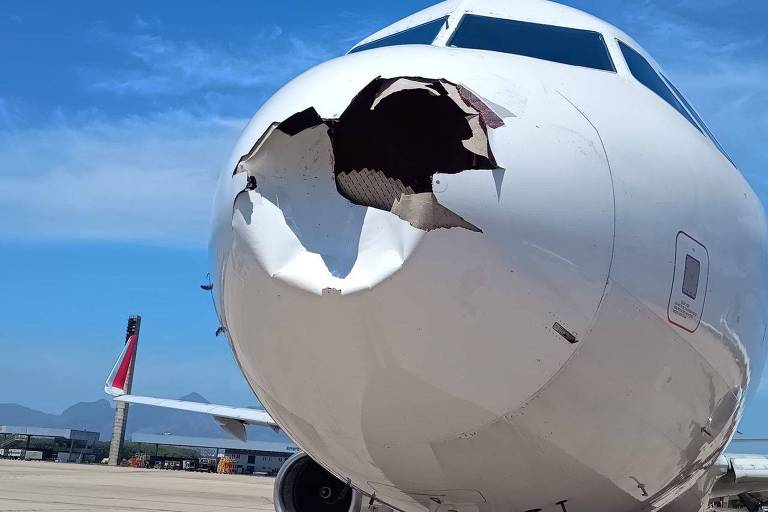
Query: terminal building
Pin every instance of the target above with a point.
(250, 457)
(35, 443)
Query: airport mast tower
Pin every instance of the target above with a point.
(121, 410)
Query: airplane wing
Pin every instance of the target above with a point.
(741, 474)
(231, 419)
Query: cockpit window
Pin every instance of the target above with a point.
(421, 34)
(557, 44)
(646, 75)
(698, 119)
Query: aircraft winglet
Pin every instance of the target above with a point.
(118, 377)
(231, 419)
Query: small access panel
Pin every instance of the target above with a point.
(689, 284)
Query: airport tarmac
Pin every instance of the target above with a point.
(27, 486)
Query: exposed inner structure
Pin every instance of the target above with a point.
(391, 140)
(397, 133)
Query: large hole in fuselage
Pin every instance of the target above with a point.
(386, 147)
(392, 139)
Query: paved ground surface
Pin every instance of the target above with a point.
(49, 486)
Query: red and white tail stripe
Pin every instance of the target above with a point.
(117, 379)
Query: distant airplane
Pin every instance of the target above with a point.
(492, 260)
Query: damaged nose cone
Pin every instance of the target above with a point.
(397, 133)
(290, 167)
(381, 153)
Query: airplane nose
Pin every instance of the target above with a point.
(411, 259)
(422, 209)
(359, 190)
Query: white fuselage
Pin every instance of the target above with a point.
(430, 368)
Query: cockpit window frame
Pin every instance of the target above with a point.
(673, 102)
(695, 114)
(688, 112)
(381, 42)
(602, 38)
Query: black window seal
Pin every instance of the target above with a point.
(393, 34)
(600, 34)
(704, 128)
(687, 106)
(693, 117)
(686, 115)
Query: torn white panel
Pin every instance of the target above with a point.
(478, 142)
(303, 231)
(256, 147)
(276, 243)
(401, 85)
(385, 243)
(455, 95)
(329, 206)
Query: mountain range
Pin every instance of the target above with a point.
(98, 416)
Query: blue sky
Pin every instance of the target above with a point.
(115, 118)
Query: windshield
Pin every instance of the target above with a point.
(547, 42)
(421, 34)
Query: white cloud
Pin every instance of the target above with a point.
(173, 67)
(151, 178)
(145, 179)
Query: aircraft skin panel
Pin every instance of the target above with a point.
(691, 184)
